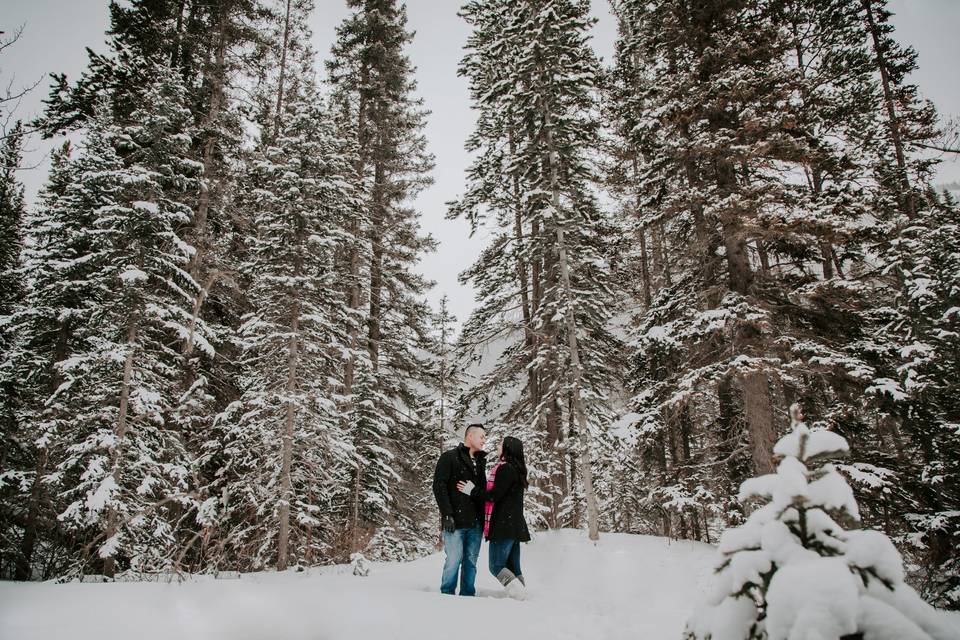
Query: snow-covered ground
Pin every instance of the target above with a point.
(637, 587)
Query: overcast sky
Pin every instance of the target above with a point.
(57, 31)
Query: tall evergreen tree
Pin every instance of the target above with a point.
(532, 78)
(122, 464)
(44, 330)
(374, 98)
(12, 218)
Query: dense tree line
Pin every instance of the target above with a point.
(769, 235)
(217, 353)
(216, 349)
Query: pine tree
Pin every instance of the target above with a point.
(532, 76)
(286, 456)
(12, 211)
(145, 35)
(16, 452)
(793, 569)
(122, 464)
(373, 96)
(765, 268)
(45, 329)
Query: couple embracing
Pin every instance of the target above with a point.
(474, 506)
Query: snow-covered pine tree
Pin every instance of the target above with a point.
(119, 462)
(913, 350)
(17, 449)
(793, 570)
(438, 430)
(532, 77)
(708, 166)
(374, 99)
(144, 35)
(774, 278)
(12, 212)
(45, 327)
(930, 373)
(216, 48)
(286, 461)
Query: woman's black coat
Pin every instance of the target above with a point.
(506, 521)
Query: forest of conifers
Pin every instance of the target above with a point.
(217, 352)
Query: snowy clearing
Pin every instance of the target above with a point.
(638, 587)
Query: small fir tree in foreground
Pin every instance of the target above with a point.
(794, 571)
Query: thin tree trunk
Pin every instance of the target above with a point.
(175, 53)
(889, 101)
(528, 335)
(353, 295)
(764, 258)
(120, 431)
(577, 373)
(644, 266)
(28, 541)
(283, 71)
(286, 451)
(217, 80)
(376, 264)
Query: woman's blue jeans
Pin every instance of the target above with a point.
(462, 547)
(504, 554)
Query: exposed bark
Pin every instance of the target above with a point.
(528, 335)
(286, 443)
(759, 416)
(217, 79)
(893, 120)
(644, 263)
(590, 497)
(120, 431)
(376, 263)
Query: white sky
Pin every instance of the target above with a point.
(57, 31)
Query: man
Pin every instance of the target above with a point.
(461, 517)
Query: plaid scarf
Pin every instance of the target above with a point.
(488, 505)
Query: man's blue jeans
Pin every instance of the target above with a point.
(462, 547)
(504, 554)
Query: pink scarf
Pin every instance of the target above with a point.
(488, 505)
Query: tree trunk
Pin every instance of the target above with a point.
(893, 121)
(577, 371)
(120, 431)
(376, 266)
(759, 417)
(283, 71)
(528, 335)
(644, 266)
(286, 451)
(217, 77)
(178, 37)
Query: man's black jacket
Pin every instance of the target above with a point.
(452, 467)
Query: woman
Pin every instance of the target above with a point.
(504, 526)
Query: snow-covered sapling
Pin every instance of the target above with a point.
(792, 571)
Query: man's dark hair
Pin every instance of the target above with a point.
(475, 425)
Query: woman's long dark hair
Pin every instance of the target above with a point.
(513, 453)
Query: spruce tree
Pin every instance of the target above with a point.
(795, 570)
(17, 450)
(532, 78)
(374, 99)
(286, 459)
(121, 464)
